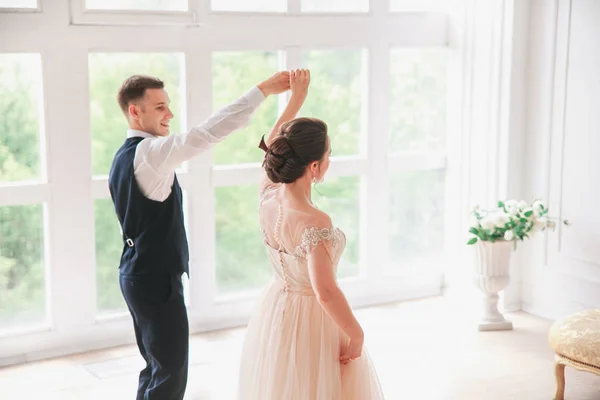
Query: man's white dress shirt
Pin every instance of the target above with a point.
(156, 157)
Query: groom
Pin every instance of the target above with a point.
(148, 202)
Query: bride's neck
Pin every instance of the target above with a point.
(300, 190)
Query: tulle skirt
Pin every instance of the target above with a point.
(291, 352)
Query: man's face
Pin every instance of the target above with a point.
(152, 113)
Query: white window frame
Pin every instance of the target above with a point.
(71, 190)
(80, 15)
(200, 12)
(36, 9)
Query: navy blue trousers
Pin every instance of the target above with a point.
(162, 333)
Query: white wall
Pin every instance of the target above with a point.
(493, 127)
(561, 271)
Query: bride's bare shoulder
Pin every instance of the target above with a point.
(318, 219)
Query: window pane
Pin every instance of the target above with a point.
(153, 5)
(340, 198)
(336, 93)
(21, 116)
(22, 274)
(18, 3)
(109, 247)
(234, 73)
(241, 257)
(245, 5)
(417, 218)
(335, 5)
(107, 72)
(418, 99)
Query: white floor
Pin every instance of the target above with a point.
(424, 350)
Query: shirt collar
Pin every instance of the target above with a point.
(135, 133)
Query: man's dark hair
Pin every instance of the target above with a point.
(134, 88)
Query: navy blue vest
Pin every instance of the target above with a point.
(154, 237)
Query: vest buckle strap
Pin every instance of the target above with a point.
(129, 242)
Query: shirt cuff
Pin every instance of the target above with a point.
(254, 96)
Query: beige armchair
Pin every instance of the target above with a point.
(576, 343)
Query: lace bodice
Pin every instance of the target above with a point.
(313, 236)
(289, 243)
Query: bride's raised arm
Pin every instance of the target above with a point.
(299, 82)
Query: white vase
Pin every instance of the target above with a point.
(492, 262)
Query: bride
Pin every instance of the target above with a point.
(303, 341)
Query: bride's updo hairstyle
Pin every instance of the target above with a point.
(301, 142)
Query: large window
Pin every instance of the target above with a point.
(382, 93)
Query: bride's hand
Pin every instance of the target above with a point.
(299, 81)
(353, 351)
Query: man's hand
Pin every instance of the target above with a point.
(278, 83)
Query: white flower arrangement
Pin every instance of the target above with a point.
(511, 221)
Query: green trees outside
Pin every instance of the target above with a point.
(21, 227)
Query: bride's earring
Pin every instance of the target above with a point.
(315, 181)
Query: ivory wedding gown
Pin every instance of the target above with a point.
(292, 347)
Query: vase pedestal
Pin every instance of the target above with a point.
(492, 262)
